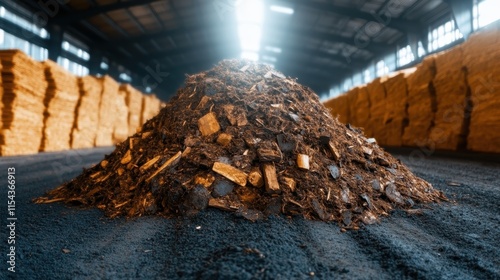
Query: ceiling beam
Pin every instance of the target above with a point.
(399, 24)
(76, 16)
(287, 50)
(294, 34)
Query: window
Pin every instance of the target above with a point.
(334, 92)
(382, 68)
(367, 76)
(357, 79)
(443, 35)
(421, 51)
(9, 41)
(347, 85)
(485, 12)
(21, 22)
(73, 67)
(75, 50)
(405, 56)
(104, 64)
(125, 77)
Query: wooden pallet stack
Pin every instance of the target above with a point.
(150, 107)
(60, 102)
(107, 116)
(134, 104)
(24, 86)
(396, 116)
(87, 113)
(339, 107)
(362, 110)
(352, 98)
(421, 101)
(448, 132)
(377, 99)
(482, 61)
(121, 126)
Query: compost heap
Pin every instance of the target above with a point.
(242, 137)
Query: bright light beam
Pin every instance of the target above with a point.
(250, 17)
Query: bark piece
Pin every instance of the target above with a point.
(233, 174)
(235, 116)
(290, 183)
(269, 153)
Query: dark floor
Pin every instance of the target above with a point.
(458, 240)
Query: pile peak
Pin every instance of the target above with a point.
(243, 137)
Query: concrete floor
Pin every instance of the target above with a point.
(456, 240)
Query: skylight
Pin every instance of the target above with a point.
(273, 49)
(269, 58)
(485, 12)
(281, 9)
(250, 17)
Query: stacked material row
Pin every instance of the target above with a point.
(450, 101)
(45, 108)
(23, 93)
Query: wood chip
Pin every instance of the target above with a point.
(104, 163)
(208, 124)
(270, 178)
(126, 158)
(303, 161)
(172, 161)
(255, 178)
(334, 150)
(150, 163)
(204, 179)
(231, 173)
(224, 139)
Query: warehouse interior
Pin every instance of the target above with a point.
(88, 86)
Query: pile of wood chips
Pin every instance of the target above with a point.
(242, 137)
(22, 98)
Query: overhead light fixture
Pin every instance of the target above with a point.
(273, 49)
(281, 9)
(253, 56)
